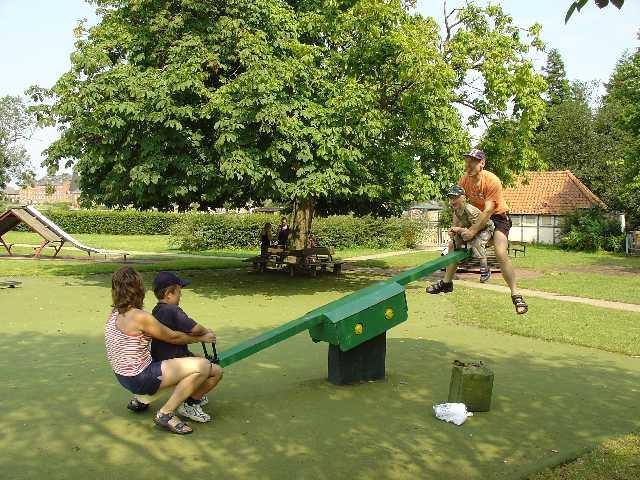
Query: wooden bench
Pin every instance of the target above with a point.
(516, 247)
(309, 260)
(319, 258)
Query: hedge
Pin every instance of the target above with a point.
(201, 231)
(113, 222)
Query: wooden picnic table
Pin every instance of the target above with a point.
(308, 260)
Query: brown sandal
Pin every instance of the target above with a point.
(520, 304)
(162, 420)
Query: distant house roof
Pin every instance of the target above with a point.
(550, 193)
(10, 191)
(53, 180)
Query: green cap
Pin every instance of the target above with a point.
(455, 191)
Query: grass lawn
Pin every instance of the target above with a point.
(18, 268)
(555, 265)
(607, 287)
(598, 279)
(64, 414)
(400, 261)
(618, 459)
(548, 258)
(578, 324)
(153, 243)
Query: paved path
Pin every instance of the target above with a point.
(629, 307)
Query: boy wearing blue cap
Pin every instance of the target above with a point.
(167, 288)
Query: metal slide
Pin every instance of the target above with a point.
(64, 235)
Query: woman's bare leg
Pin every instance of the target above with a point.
(187, 374)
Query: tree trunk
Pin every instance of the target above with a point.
(301, 223)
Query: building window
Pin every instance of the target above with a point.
(516, 219)
(530, 220)
(546, 220)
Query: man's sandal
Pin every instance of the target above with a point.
(163, 421)
(521, 305)
(440, 287)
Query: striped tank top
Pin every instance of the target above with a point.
(128, 354)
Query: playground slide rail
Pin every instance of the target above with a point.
(64, 235)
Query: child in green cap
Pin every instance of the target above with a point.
(464, 216)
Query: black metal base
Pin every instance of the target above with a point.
(360, 364)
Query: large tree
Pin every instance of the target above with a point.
(556, 77)
(578, 139)
(328, 106)
(16, 125)
(619, 119)
(496, 82)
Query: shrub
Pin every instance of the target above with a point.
(113, 222)
(591, 230)
(201, 232)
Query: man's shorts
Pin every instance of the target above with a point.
(502, 222)
(147, 382)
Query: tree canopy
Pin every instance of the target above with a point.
(556, 77)
(579, 4)
(342, 105)
(15, 125)
(621, 115)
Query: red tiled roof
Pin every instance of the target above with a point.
(551, 193)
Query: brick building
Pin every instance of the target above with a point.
(50, 189)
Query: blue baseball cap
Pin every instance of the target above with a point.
(477, 154)
(167, 279)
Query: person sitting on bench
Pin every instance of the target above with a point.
(128, 334)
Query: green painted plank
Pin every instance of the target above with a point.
(338, 309)
(430, 267)
(267, 339)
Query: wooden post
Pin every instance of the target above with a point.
(5, 246)
(364, 363)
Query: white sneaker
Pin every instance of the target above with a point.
(204, 400)
(193, 412)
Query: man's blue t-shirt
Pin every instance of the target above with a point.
(173, 317)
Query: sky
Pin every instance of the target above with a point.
(36, 38)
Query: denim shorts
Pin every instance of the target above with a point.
(146, 382)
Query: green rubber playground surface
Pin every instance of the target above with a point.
(64, 414)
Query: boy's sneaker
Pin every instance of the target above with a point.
(440, 287)
(193, 412)
(204, 400)
(485, 275)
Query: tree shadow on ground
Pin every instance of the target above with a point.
(277, 417)
(227, 282)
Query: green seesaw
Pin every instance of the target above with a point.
(355, 326)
